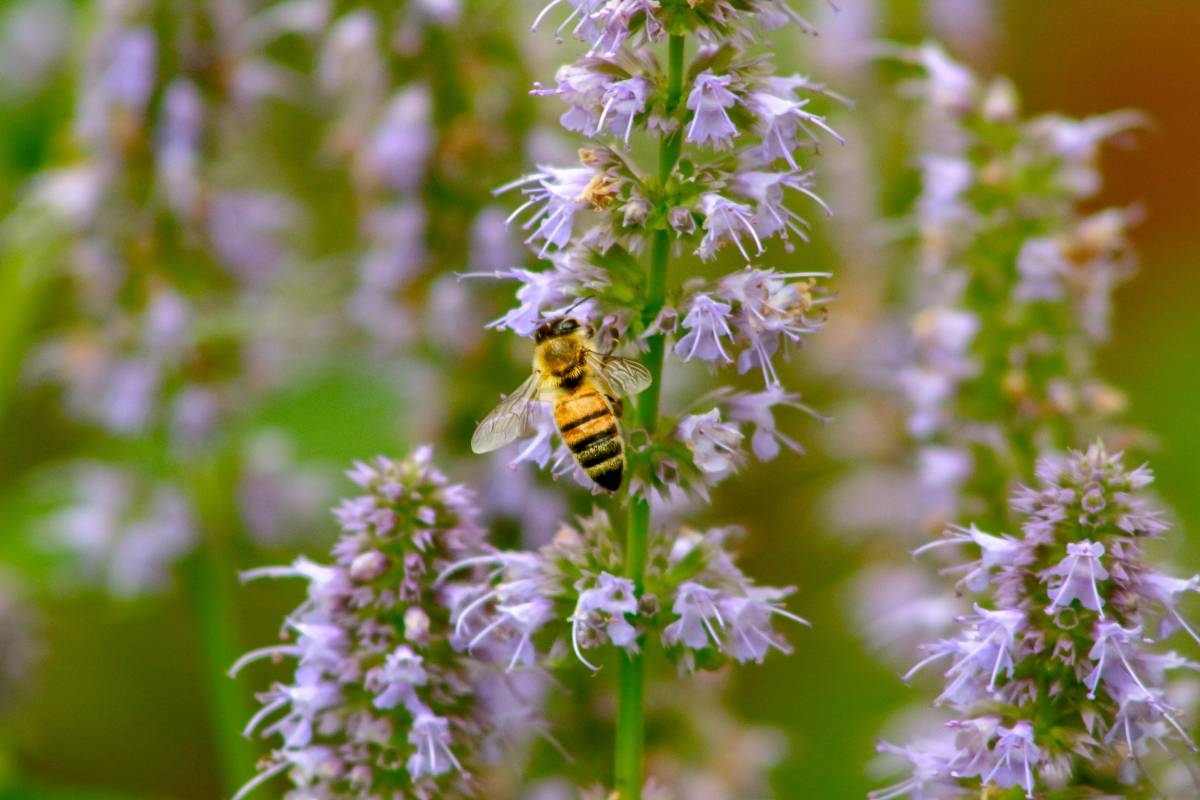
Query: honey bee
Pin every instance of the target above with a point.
(584, 387)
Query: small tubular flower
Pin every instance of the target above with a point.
(710, 101)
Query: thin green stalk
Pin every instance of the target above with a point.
(29, 247)
(669, 149)
(631, 715)
(211, 586)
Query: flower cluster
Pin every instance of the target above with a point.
(381, 702)
(748, 317)
(157, 261)
(125, 533)
(396, 139)
(708, 447)
(1055, 679)
(1014, 291)
(146, 348)
(734, 135)
(190, 286)
(734, 139)
(531, 605)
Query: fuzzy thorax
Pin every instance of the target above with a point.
(561, 357)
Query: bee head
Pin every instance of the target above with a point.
(552, 328)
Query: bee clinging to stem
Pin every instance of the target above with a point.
(584, 387)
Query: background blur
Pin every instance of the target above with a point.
(119, 701)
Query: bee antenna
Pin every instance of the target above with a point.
(578, 302)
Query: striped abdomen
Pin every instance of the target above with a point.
(589, 428)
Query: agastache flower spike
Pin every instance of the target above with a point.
(983, 161)
(1043, 694)
(378, 701)
(732, 139)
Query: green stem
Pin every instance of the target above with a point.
(631, 714)
(668, 152)
(29, 247)
(213, 595)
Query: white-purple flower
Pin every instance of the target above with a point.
(780, 117)
(715, 445)
(603, 606)
(695, 607)
(583, 87)
(548, 292)
(769, 310)
(1076, 577)
(766, 190)
(710, 101)
(995, 552)
(707, 323)
(430, 735)
(1016, 757)
(556, 194)
(749, 635)
(396, 682)
(623, 101)
(726, 221)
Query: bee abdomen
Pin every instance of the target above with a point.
(590, 431)
(608, 473)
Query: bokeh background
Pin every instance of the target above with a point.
(124, 697)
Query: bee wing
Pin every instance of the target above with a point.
(508, 421)
(624, 375)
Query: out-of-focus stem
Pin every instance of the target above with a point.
(212, 589)
(631, 696)
(28, 246)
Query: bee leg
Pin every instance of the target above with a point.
(618, 407)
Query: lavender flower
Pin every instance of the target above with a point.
(556, 196)
(378, 699)
(1038, 280)
(709, 101)
(732, 136)
(715, 446)
(1057, 683)
(706, 323)
(124, 533)
(566, 593)
(757, 310)
(715, 609)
